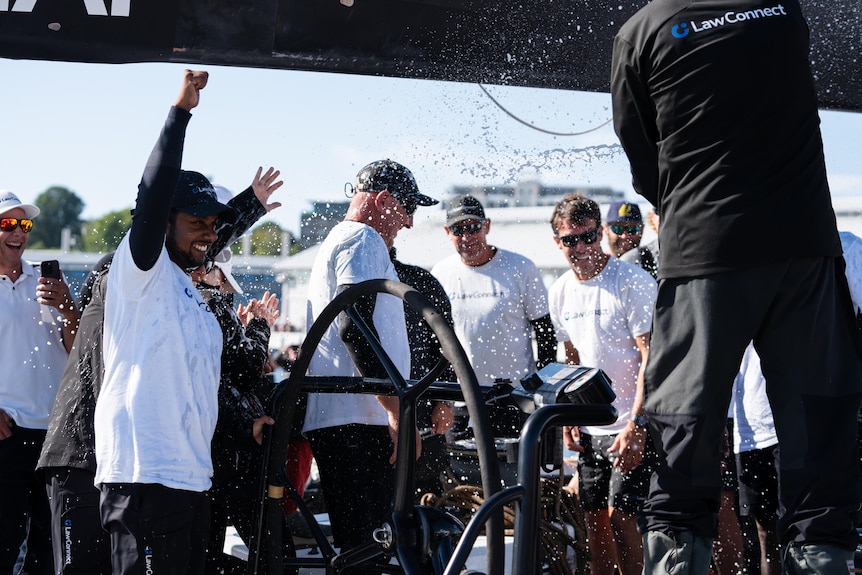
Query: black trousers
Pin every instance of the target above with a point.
(796, 314)
(357, 479)
(81, 545)
(155, 529)
(24, 512)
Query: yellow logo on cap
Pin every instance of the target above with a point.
(625, 211)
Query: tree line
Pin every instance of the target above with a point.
(61, 209)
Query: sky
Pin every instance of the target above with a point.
(90, 128)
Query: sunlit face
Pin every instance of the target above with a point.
(13, 244)
(394, 216)
(469, 237)
(585, 259)
(623, 236)
(189, 238)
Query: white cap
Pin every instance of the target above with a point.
(9, 201)
(222, 262)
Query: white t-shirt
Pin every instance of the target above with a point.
(753, 427)
(32, 349)
(492, 306)
(158, 404)
(352, 252)
(852, 246)
(601, 317)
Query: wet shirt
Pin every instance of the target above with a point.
(32, 350)
(714, 104)
(601, 317)
(157, 409)
(753, 426)
(492, 306)
(352, 253)
(852, 246)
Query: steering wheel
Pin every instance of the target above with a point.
(402, 531)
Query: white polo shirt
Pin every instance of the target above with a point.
(32, 351)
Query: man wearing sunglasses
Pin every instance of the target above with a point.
(352, 435)
(602, 311)
(624, 227)
(722, 132)
(498, 301)
(39, 324)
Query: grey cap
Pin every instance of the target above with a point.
(462, 208)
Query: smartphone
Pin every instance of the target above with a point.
(51, 269)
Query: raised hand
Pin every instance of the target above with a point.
(193, 82)
(264, 187)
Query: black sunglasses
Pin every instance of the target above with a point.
(407, 202)
(466, 229)
(571, 241)
(620, 229)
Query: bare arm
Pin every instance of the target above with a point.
(572, 355)
(631, 441)
(571, 434)
(6, 425)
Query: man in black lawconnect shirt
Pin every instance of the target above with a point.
(715, 106)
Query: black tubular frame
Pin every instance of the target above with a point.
(269, 515)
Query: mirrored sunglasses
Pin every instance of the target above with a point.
(620, 229)
(9, 224)
(466, 229)
(571, 241)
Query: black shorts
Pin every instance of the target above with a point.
(602, 486)
(758, 483)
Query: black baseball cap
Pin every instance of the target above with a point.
(462, 208)
(393, 177)
(195, 195)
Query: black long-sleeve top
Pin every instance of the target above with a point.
(715, 106)
(244, 356)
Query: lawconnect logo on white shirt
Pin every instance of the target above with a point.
(683, 29)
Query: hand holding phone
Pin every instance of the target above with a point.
(51, 269)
